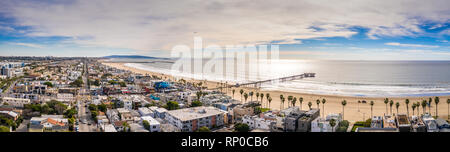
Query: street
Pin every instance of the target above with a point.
(82, 106)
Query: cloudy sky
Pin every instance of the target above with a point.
(304, 29)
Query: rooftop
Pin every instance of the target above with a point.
(195, 113)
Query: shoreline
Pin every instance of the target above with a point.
(353, 111)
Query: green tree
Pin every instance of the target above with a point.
(122, 84)
(172, 105)
(262, 97)
(257, 96)
(251, 95)
(309, 105)
(233, 91)
(294, 101)
(204, 129)
(245, 97)
(102, 107)
(424, 105)
(332, 123)
(48, 84)
(430, 100)
(282, 101)
(413, 106)
(391, 103)
(267, 96)
(343, 106)
(318, 102)
(146, 124)
(241, 92)
(4, 129)
(436, 101)
(290, 98)
(301, 102)
(241, 127)
(199, 94)
(396, 106)
(269, 100)
(407, 106)
(386, 101)
(448, 108)
(371, 108)
(323, 106)
(196, 103)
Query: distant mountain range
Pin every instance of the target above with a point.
(133, 57)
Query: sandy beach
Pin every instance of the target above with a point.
(352, 111)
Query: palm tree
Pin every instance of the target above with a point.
(430, 100)
(318, 102)
(262, 97)
(386, 101)
(396, 106)
(436, 101)
(448, 108)
(301, 102)
(391, 103)
(407, 107)
(371, 109)
(332, 123)
(267, 96)
(424, 105)
(251, 95)
(290, 100)
(343, 106)
(245, 97)
(359, 101)
(323, 106)
(269, 100)
(257, 96)
(233, 91)
(418, 107)
(413, 107)
(294, 101)
(309, 105)
(241, 91)
(282, 102)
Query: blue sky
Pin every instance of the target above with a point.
(355, 30)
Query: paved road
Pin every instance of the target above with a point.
(82, 115)
(23, 126)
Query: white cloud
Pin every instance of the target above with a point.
(27, 45)
(152, 25)
(411, 45)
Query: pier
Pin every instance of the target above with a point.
(257, 84)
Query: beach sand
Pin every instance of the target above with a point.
(352, 112)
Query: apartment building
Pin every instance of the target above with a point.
(191, 119)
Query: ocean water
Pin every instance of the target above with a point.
(349, 78)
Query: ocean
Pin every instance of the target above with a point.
(347, 78)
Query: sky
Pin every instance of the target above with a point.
(304, 29)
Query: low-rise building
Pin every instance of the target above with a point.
(155, 126)
(49, 123)
(191, 119)
(15, 102)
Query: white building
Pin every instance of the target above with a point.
(144, 111)
(262, 123)
(323, 125)
(191, 119)
(155, 126)
(15, 102)
(65, 97)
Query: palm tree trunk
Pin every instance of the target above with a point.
(371, 111)
(437, 110)
(343, 113)
(323, 108)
